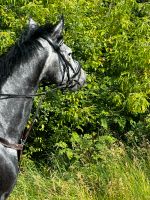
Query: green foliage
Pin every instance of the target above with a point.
(111, 40)
(138, 103)
(87, 149)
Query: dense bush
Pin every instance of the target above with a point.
(111, 39)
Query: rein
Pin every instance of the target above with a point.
(19, 147)
(24, 136)
(11, 96)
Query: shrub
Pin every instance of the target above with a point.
(111, 40)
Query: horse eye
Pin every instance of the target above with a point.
(69, 54)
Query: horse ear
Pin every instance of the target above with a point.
(32, 24)
(58, 30)
(31, 27)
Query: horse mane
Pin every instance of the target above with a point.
(23, 50)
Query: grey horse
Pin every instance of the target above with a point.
(39, 54)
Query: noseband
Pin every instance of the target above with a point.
(70, 84)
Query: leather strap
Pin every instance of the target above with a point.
(5, 143)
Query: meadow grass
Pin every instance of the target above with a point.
(116, 178)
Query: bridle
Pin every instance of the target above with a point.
(69, 84)
(66, 66)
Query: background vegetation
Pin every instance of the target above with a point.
(94, 143)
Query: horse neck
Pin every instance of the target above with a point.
(14, 112)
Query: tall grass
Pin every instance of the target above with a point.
(116, 178)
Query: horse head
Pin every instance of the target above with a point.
(60, 67)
